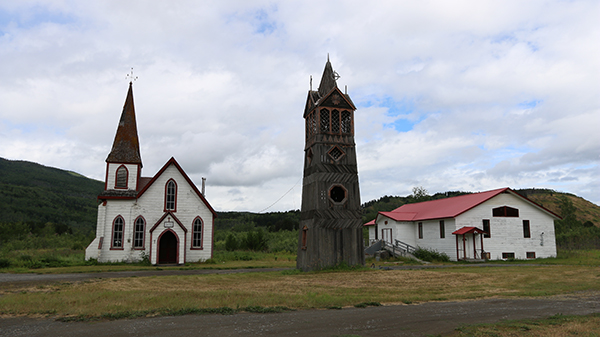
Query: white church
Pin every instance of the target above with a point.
(164, 217)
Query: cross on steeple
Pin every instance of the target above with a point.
(130, 76)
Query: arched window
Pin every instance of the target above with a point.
(170, 195)
(117, 237)
(121, 177)
(197, 234)
(138, 233)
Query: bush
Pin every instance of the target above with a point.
(4, 263)
(231, 243)
(430, 255)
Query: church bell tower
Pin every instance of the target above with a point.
(330, 219)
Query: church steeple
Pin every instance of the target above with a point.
(126, 146)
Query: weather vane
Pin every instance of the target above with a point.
(130, 76)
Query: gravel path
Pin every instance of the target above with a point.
(397, 320)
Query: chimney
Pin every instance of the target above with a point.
(203, 186)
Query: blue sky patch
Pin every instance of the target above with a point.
(529, 104)
(403, 111)
(34, 16)
(263, 23)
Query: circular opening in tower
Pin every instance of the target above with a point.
(337, 193)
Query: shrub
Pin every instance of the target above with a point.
(231, 243)
(430, 255)
(4, 263)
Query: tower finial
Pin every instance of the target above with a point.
(327, 58)
(130, 76)
(310, 82)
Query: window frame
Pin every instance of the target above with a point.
(195, 232)
(304, 237)
(505, 212)
(508, 255)
(121, 168)
(420, 230)
(526, 229)
(136, 232)
(167, 194)
(530, 255)
(442, 229)
(488, 231)
(115, 232)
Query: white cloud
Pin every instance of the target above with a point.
(457, 95)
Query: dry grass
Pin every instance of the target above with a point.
(555, 326)
(294, 290)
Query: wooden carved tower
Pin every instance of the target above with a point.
(330, 220)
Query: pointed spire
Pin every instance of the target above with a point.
(126, 147)
(328, 80)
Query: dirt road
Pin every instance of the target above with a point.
(398, 320)
(394, 320)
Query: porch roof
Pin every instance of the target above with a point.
(468, 230)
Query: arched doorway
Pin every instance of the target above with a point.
(167, 248)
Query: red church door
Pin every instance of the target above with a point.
(167, 248)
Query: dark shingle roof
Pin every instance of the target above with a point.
(327, 80)
(126, 147)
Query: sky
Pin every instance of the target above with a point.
(450, 95)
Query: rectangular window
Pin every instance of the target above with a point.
(508, 255)
(531, 255)
(486, 228)
(526, 229)
(442, 229)
(420, 230)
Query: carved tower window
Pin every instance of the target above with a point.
(324, 120)
(335, 121)
(346, 122)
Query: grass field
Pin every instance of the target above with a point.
(554, 326)
(291, 289)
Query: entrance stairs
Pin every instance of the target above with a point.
(397, 249)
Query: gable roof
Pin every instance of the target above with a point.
(146, 182)
(450, 207)
(174, 162)
(126, 146)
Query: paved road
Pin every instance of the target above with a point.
(398, 320)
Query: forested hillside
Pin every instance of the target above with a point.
(37, 194)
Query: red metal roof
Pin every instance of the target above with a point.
(442, 208)
(370, 223)
(468, 230)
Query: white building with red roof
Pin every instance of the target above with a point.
(164, 217)
(497, 224)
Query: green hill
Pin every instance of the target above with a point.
(37, 194)
(34, 193)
